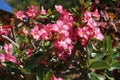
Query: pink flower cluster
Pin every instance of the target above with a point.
(5, 30)
(41, 32)
(90, 30)
(63, 32)
(59, 32)
(7, 56)
(63, 27)
(31, 12)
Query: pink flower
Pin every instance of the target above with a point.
(98, 34)
(2, 57)
(87, 15)
(6, 29)
(91, 23)
(35, 32)
(62, 43)
(9, 57)
(96, 14)
(83, 32)
(45, 31)
(20, 15)
(7, 47)
(25, 32)
(58, 26)
(44, 34)
(32, 11)
(67, 18)
(43, 11)
(29, 52)
(55, 78)
(84, 42)
(59, 8)
(63, 48)
(61, 28)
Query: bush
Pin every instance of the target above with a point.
(69, 42)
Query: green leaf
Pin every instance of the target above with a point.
(99, 65)
(116, 65)
(48, 75)
(93, 46)
(49, 11)
(109, 59)
(47, 43)
(107, 43)
(80, 1)
(87, 3)
(94, 76)
(99, 56)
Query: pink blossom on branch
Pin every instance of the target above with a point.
(43, 11)
(32, 11)
(10, 57)
(59, 8)
(96, 14)
(2, 57)
(7, 56)
(7, 48)
(25, 31)
(91, 23)
(20, 15)
(5, 30)
(35, 32)
(63, 48)
(45, 31)
(98, 35)
(63, 44)
(29, 52)
(87, 16)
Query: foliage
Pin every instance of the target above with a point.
(68, 40)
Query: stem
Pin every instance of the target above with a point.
(31, 43)
(7, 38)
(13, 34)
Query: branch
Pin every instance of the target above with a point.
(10, 40)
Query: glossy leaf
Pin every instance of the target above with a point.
(99, 65)
(107, 43)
